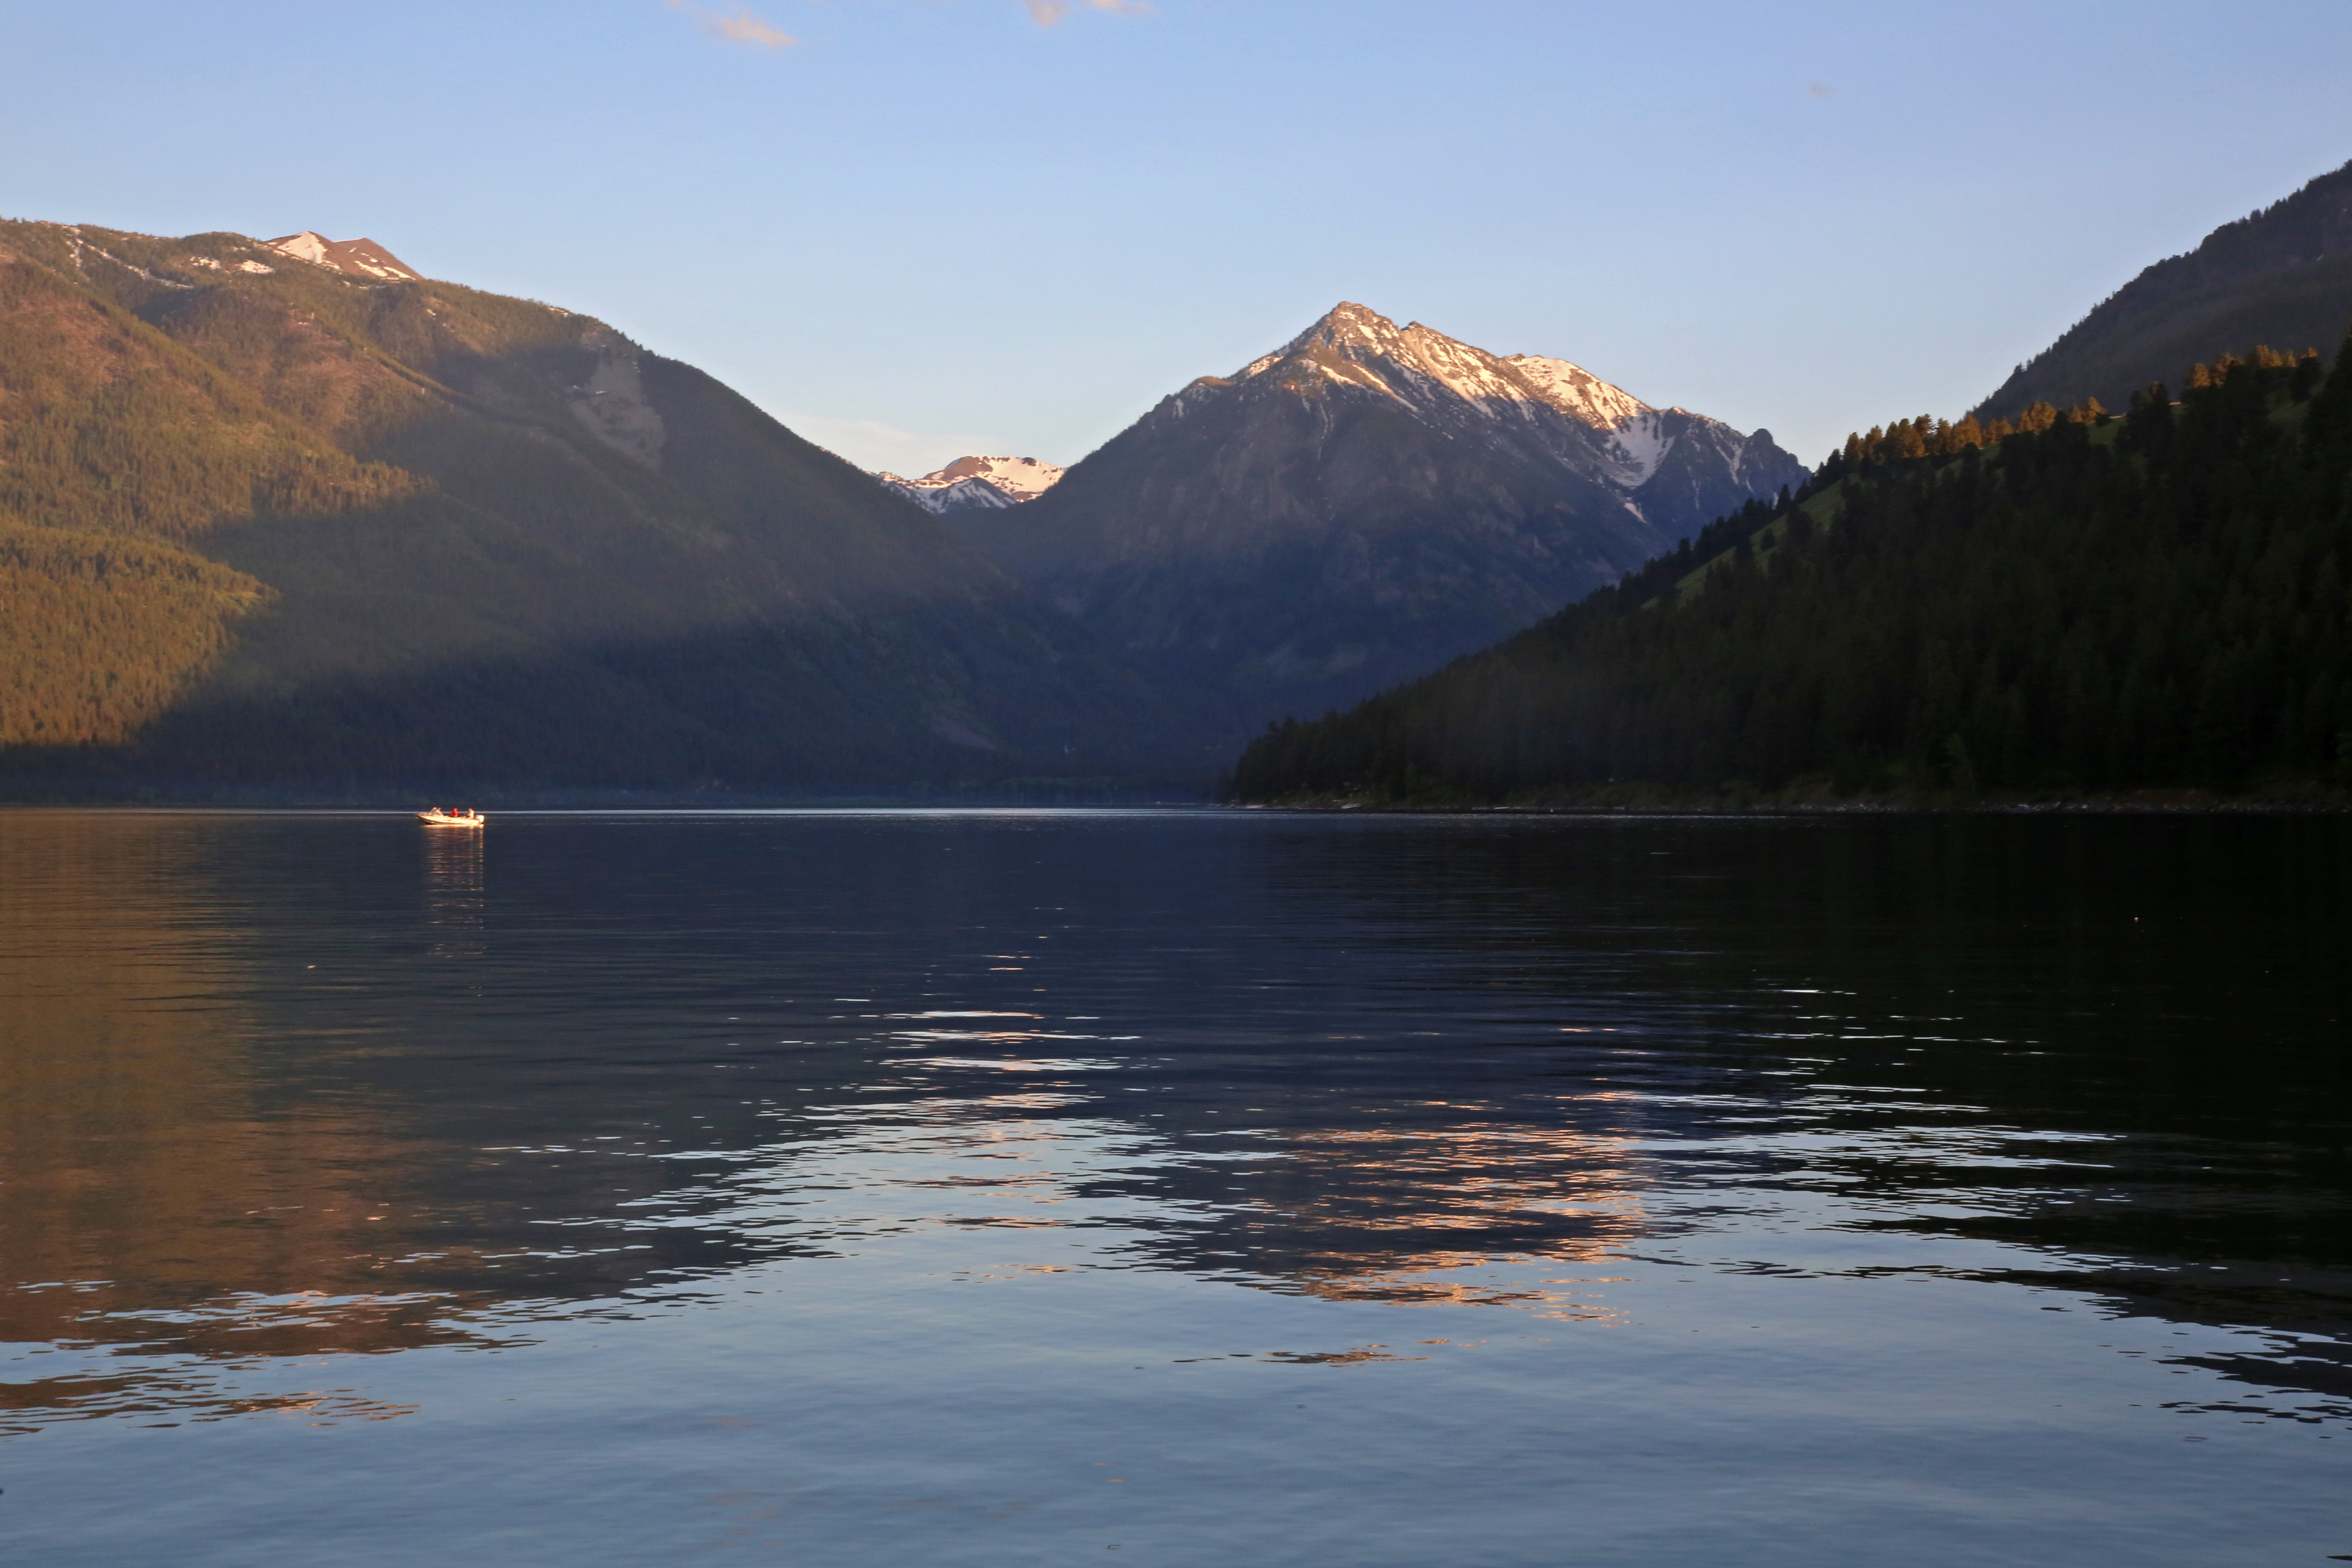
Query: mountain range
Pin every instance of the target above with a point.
(1361, 505)
(2024, 601)
(2094, 605)
(287, 515)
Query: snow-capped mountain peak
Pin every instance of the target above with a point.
(977, 484)
(1423, 367)
(1365, 503)
(359, 257)
(1575, 417)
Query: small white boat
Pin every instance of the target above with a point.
(463, 817)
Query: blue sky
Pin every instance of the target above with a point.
(913, 228)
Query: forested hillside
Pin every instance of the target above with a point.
(2083, 605)
(101, 633)
(2281, 275)
(267, 524)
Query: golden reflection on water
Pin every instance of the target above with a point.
(1401, 1190)
(1354, 1214)
(453, 892)
(152, 1200)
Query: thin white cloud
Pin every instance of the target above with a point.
(1045, 12)
(741, 28)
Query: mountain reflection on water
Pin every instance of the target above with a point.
(285, 1091)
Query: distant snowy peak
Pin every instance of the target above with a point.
(977, 484)
(359, 257)
(1023, 478)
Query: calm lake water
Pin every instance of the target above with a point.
(1179, 1188)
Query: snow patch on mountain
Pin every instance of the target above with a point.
(1575, 390)
(977, 484)
(1420, 366)
(357, 257)
(1596, 428)
(1638, 446)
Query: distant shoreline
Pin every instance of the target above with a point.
(489, 800)
(2147, 803)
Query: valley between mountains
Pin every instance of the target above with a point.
(285, 516)
(285, 520)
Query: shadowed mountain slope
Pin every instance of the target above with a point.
(2091, 605)
(2279, 276)
(1362, 504)
(376, 532)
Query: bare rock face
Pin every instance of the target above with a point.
(612, 405)
(1364, 503)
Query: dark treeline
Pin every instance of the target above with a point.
(2082, 603)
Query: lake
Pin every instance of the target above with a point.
(1174, 1187)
